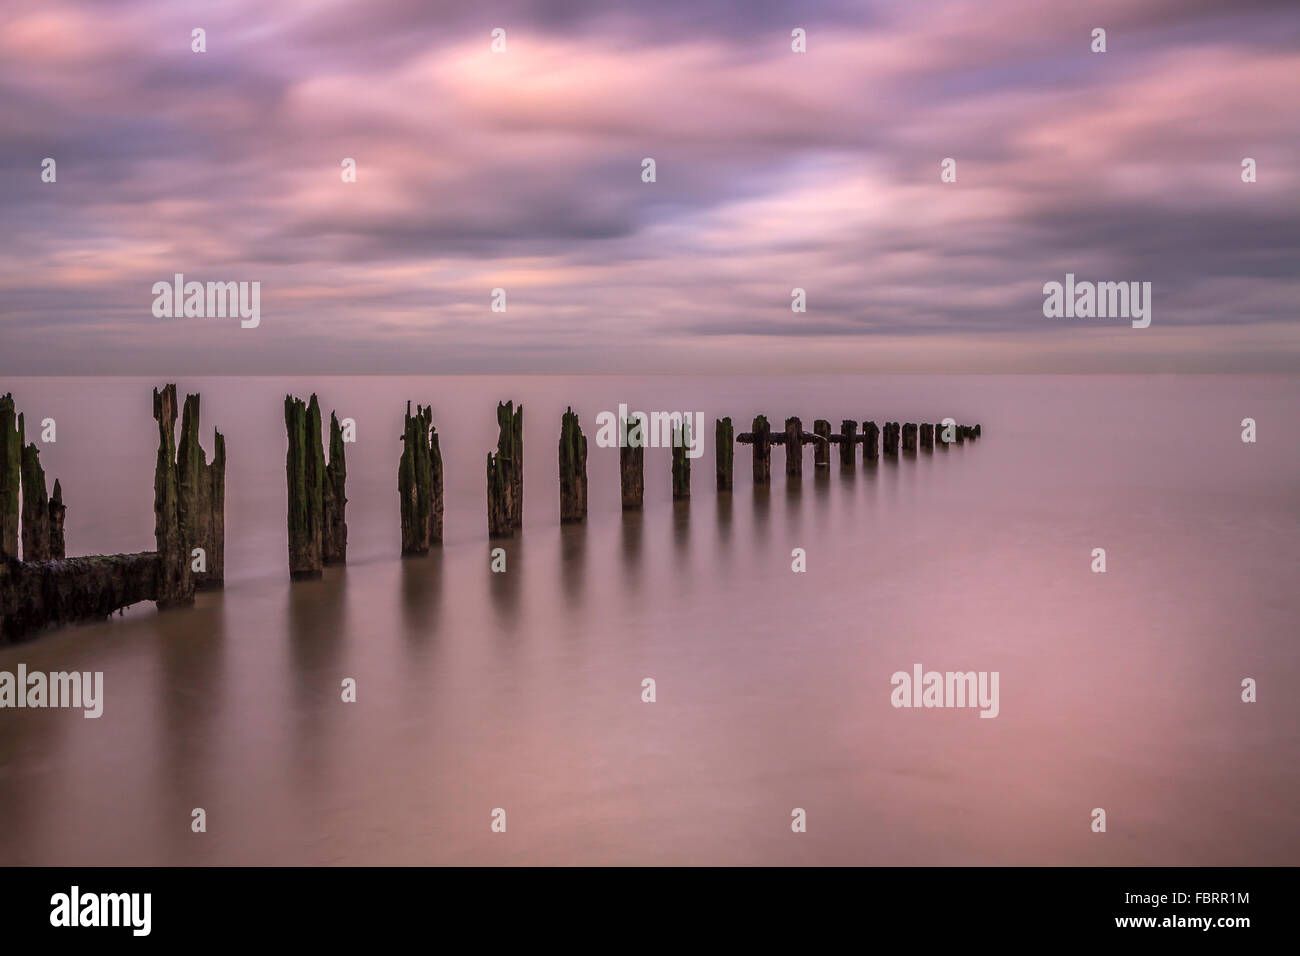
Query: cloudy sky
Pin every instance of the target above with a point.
(522, 170)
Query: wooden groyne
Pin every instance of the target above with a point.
(46, 589)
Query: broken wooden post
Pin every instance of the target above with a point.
(58, 513)
(681, 461)
(36, 507)
(334, 534)
(202, 498)
(927, 436)
(909, 438)
(305, 472)
(11, 466)
(870, 442)
(848, 444)
(793, 441)
(761, 439)
(631, 463)
(175, 584)
(510, 448)
(419, 482)
(573, 469)
(724, 438)
(822, 448)
(505, 471)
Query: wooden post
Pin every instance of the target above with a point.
(36, 507)
(334, 535)
(202, 498)
(58, 549)
(573, 469)
(12, 439)
(793, 441)
(724, 438)
(822, 449)
(175, 584)
(762, 441)
(631, 463)
(304, 470)
(927, 436)
(848, 444)
(870, 442)
(509, 467)
(909, 438)
(681, 461)
(890, 439)
(419, 482)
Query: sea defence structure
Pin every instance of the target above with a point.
(40, 587)
(45, 589)
(420, 482)
(317, 498)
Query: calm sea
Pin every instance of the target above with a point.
(523, 690)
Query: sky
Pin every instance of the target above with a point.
(522, 170)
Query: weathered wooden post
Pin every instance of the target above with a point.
(724, 438)
(510, 444)
(793, 441)
(58, 514)
(12, 439)
(305, 473)
(681, 461)
(870, 442)
(822, 449)
(762, 441)
(36, 507)
(201, 497)
(175, 585)
(927, 436)
(334, 527)
(909, 438)
(848, 444)
(631, 463)
(419, 482)
(573, 469)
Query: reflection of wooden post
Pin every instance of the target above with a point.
(848, 444)
(724, 438)
(822, 449)
(573, 470)
(11, 470)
